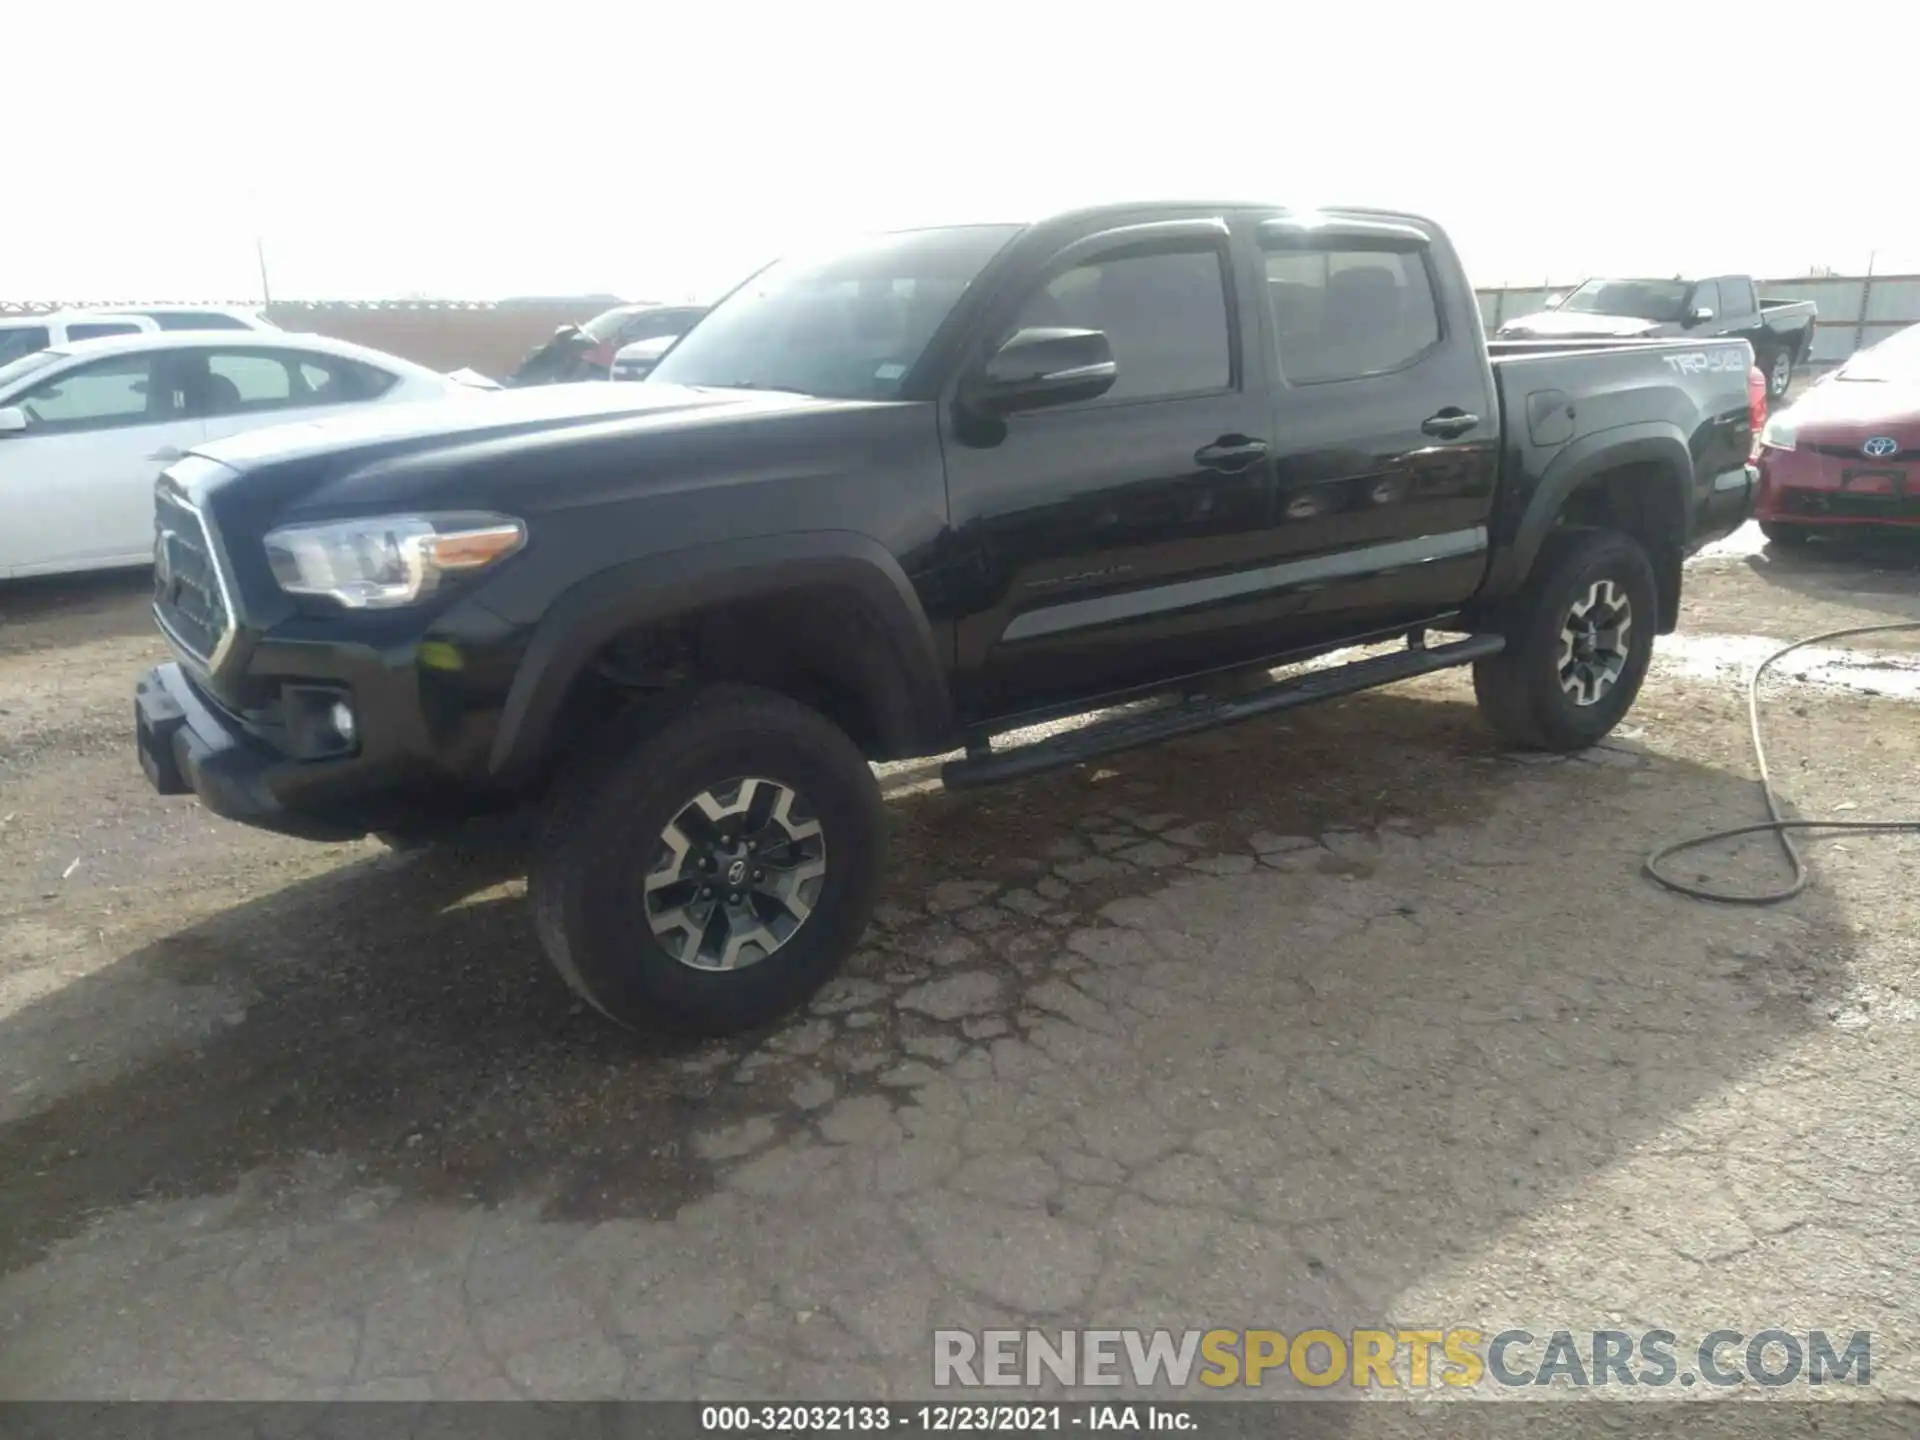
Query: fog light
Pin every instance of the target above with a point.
(341, 718)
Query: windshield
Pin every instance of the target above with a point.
(604, 326)
(1658, 300)
(26, 365)
(848, 325)
(1895, 358)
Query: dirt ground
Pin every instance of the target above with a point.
(1342, 1019)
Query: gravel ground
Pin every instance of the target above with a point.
(1342, 1019)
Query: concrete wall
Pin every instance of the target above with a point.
(1855, 311)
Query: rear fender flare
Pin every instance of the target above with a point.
(913, 710)
(1655, 444)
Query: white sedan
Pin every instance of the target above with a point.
(86, 427)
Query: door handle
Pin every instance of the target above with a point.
(1231, 453)
(1450, 423)
(169, 453)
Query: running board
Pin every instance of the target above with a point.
(1203, 712)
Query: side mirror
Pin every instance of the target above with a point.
(1554, 302)
(13, 420)
(1700, 315)
(1041, 367)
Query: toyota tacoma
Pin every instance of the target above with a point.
(909, 497)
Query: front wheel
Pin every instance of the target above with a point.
(712, 868)
(1579, 640)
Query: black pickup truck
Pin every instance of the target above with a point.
(905, 499)
(1780, 331)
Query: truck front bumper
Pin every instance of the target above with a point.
(187, 747)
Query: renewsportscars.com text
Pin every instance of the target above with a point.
(1413, 1359)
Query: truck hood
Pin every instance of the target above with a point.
(1559, 325)
(525, 452)
(466, 417)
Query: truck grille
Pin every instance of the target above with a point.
(187, 598)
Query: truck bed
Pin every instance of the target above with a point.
(1685, 401)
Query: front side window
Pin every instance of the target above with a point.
(849, 324)
(107, 394)
(1706, 296)
(1165, 315)
(1346, 314)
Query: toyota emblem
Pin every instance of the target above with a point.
(1880, 447)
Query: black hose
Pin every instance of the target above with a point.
(1775, 824)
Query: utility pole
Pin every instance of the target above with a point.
(260, 252)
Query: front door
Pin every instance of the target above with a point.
(76, 485)
(1076, 529)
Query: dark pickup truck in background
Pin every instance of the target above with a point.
(1780, 331)
(905, 500)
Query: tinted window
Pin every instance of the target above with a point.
(241, 381)
(1706, 296)
(96, 329)
(104, 395)
(1342, 314)
(18, 340)
(1736, 294)
(849, 324)
(197, 320)
(1164, 315)
(1656, 300)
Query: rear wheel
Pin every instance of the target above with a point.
(1579, 640)
(712, 868)
(1779, 532)
(1780, 375)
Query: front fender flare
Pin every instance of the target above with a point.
(913, 712)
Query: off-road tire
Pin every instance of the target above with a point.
(1520, 690)
(1779, 532)
(1779, 376)
(603, 827)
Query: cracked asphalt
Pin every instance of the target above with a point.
(1342, 1019)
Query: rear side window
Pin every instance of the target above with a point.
(96, 329)
(1165, 316)
(1347, 314)
(197, 320)
(245, 381)
(18, 340)
(1737, 295)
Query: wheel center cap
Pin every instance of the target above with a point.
(736, 872)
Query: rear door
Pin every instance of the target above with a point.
(76, 485)
(1385, 424)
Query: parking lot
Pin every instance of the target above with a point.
(1345, 1018)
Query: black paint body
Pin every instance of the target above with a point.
(1049, 562)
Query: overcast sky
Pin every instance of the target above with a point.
(655, 149)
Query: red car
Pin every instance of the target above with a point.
(1848, 451)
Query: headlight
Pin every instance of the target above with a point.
(388, 560)
(1780, 432)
